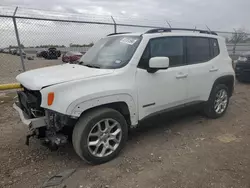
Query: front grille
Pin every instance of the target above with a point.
(30, 102)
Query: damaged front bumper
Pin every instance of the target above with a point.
(42, 128)
(31, 123)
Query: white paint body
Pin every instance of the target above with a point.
(78, 88)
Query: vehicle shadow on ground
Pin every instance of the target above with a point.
(165, 121)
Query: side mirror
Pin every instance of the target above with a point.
(157, 63)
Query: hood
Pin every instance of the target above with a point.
(39, 78)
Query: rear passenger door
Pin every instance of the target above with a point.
(201, 55)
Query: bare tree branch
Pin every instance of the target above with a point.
(238, 36)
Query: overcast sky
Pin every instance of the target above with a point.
(217, 14)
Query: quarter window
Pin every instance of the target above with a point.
(214, 47)
(198, 50)
(144, 62)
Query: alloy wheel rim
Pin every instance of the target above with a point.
(104, 138)
(221, 101)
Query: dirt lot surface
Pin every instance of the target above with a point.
(178, 151)
(10, 66)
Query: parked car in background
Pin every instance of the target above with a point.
(13, 51)
(22, 51)
(242, 67)
(53, 53)
(5, 50)
(71, 57)
(54, 50)
(41, 53)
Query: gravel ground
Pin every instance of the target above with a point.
(185, 150)
(10, 66)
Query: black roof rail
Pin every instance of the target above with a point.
(161, 30)
(117, 33)
(208, 32)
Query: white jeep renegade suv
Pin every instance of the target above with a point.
(121, 80)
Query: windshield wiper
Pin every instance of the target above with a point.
(91, 66)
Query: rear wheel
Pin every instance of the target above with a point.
(238, 79)
(242, 80)
(99, 135)
(218, 101)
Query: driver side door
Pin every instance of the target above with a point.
(163, 89)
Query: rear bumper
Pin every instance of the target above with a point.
(242, 71)
(31, 123)
(242, 74)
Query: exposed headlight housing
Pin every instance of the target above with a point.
(57, 121)
(242, 58)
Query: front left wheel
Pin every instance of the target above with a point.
(99, 135)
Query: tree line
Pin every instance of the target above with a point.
(59, 46)
(81, 45)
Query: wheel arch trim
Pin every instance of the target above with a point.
(225, 79)
(82, 107)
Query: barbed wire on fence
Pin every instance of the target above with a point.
(106, 19)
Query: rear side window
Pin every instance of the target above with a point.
(214, 47)
(198, 50)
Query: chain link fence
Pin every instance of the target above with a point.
(37, 30)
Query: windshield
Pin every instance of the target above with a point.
(111, 52)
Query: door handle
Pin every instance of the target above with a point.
(213, 69)
(181, 75)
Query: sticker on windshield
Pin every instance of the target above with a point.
(129, 41)
(118, 61)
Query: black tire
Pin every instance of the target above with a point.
(239, 79)
(84, 126)
(209, 110)
(58, 53)
(243, 81)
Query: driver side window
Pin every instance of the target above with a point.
(171, 47)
